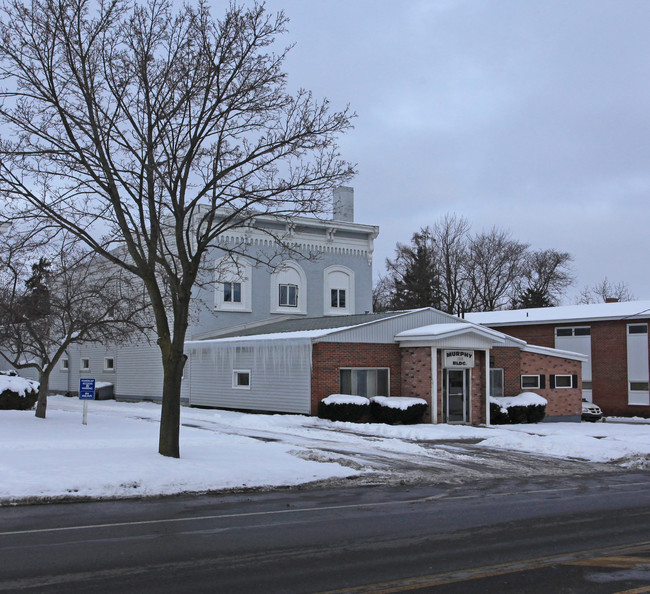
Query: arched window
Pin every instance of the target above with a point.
(338, 297)
(288, 289)
(233, 285)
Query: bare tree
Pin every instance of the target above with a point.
(495, 262)
(53, 294)
(451, 234)
(545, 277)
(605, 291)
(155, 130)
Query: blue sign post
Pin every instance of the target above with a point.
(86, 393)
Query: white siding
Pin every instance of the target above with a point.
(280, 375)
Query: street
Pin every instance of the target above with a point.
(587, 533)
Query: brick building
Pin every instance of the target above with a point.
(613, 336)
(290, 366)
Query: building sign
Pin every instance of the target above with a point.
(457, 359)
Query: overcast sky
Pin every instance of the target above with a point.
(529, 115)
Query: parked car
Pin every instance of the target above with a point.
(591, 412)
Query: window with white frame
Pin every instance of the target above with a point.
(241, 379)
(65, 364)
(531, 382)
(288, 295)
(638, 372)
(288, 289)
(496, 382)
(233, 285)
(338, 296)
(365, 381)
(85, 364)
(563, 381)
(109, 364)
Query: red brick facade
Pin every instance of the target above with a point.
(410, 374)
(608, 360)
(329, 357)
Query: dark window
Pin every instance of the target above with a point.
(338, 298)
(637, 328)
(288, 296)
(564, 331)
(232, 292)
(639, 386)
(583, 331)
(364, 382)
(496, 382)
(241, 379)
(530, 382)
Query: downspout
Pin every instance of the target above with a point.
(487, 386)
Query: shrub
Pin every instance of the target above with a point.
(343, 407)
(395, 410)
(525, 408)
(17, 393)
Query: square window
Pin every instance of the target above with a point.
(530, 381)
(288, 296)
(241, 378)
(85, 364)
(109, 364)
(338, 298)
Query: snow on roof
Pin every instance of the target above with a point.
(563, 313)
(436, 330)
(304, 334)
(533, 348)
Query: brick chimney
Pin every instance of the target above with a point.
(343, 204)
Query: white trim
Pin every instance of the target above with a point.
(551, 352)
(434, 385)
(81, 364)
(336, 272)
(521, 381)
(289, 273)
(64, 364)
(106, 368)
(227, 271)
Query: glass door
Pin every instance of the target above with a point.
(456, 394)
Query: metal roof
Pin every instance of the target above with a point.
(313, 323)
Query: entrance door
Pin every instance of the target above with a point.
(456, 394)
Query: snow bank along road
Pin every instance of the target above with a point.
(115, 456)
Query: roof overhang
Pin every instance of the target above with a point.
(438, 333)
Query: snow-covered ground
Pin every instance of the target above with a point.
(115, 454)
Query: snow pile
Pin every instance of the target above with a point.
(345, 399)
(401, 403)
(523, 399)
(17, 384)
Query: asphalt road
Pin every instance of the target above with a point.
(550, 534)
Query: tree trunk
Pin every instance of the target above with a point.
(170, 416)
(43, 389)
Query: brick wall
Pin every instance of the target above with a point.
(328, 357)
(478, 388)
(416, 374)
(608, 360)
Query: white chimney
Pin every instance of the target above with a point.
(343, 204)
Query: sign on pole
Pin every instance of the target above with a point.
(86, 393)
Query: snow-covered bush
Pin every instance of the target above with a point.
(343, 407)
(528, 407)
(17, 393)
(396, 410)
